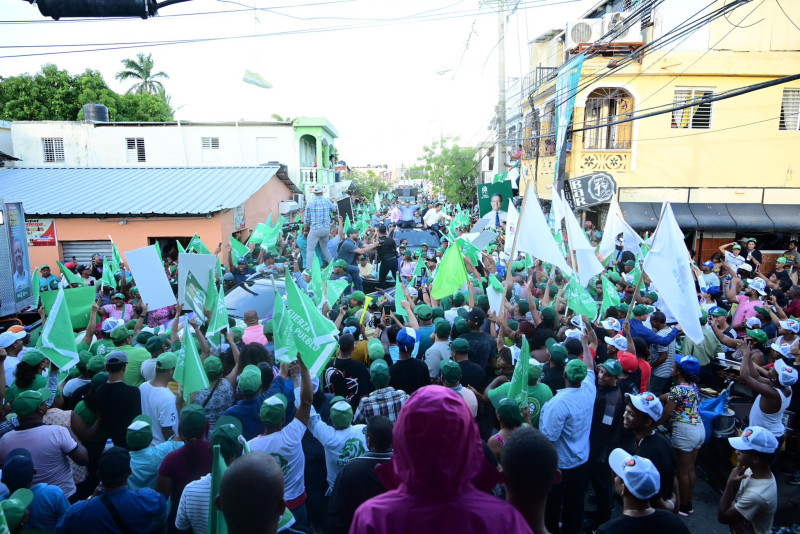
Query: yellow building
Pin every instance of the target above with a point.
(730, 167)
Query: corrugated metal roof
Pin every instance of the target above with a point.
(132, 190)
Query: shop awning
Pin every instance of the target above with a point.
(640, 215)
(786, 217)
(750, 218)
(713, 217)
(683, 215)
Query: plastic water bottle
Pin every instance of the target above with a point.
(109, 444)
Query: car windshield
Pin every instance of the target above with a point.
(417, 238)
(255, 295)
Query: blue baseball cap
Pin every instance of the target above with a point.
(689, 365)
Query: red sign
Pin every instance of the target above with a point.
(41, 232)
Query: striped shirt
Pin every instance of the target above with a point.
(194, 506)
(318, 213)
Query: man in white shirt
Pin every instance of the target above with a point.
(433, 216)
(496, 217)
(341, 440)
(158, 401)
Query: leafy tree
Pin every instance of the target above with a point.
(56, 95)
(368, 183)
(141, 71)
(279, 118)
(451, 168)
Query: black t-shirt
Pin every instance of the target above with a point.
(658, 450)
(409, 375)
(473, 375)
(118, 404)
(482, 347)
(659, 522)
(632, 383)
(387, 249)
(553, 377)
(348, 378)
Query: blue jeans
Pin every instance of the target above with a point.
(300, 518)
(355, 274)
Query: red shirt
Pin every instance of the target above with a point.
(793, 309)
(644, 367)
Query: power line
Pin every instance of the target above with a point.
(786, 14)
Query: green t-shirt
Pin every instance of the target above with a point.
(537, 396)
(102, 347)
(136, 357)
(39, 382)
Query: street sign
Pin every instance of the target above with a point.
(590, 190)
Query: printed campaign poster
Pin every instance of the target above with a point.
(41, 232)
(20, 264)
(195, 294)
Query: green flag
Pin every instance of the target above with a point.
(518, 390)
(610, 295)
(158, 250)
(335, 290)
(107, 277)
(285, 348)
(399, 297)
(197, 245)
(269, 220)
(215, 301)
(500, 177)
(57, 338)
(470, 251)
(79, 302)
(71, 277)
(451, 273)
(238, 249)
(189, 371)
(312, 332)
(579, 300)
(181, 250)
(216, 520)
(116, 257)
(418, 267)
(35, 287)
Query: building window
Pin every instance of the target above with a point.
(603, 107)
(695, 117)
(790, 110)
(547, 129)
(210, 148)
(135, 150)
(53, 149)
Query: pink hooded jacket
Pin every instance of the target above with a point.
(437, 466)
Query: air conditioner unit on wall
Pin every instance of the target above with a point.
(583, 31)
(618, 29)
(300, 199)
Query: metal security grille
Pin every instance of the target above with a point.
(696, 117)
(53, 149)
(82, 250)
(603, 106)
(210, 149)
(210, 143)
(790, 110)
(135, 150)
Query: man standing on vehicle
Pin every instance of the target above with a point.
(349, 250)
(317, 219)
(407, 212)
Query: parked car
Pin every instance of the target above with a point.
(416, 238)
(256, 293)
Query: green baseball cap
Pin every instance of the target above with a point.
(576, 371)
(716, 311)
(379, 372)
(193, 419)
(226, 434)
(548, 313)
(460, 326)
(652, 295)
(759, 335)
(340, 263)
(351, 230)
(99, 379)
(121, 333)
(250, 379)
(534, 370)
(118, 296)
(273, 410)
(423, 311)
(558, 353)
(341, 414)
(33, 357)
(451, 371)
(166, 361)
(508, 410)
(437, 312)
(613, 367)
(28, 401)
(458, 299)
(623, 307)
(761, 311)
(459, 345)
(375, 349)
(641, 309)
(14, 507)
(155, 344)
(358, 296)
(213, 367)
(237, 332)
(96, 364)
(83, 358)
(703, 317)
(442, 328)
(268, 328)
(614, 276)
(140, 433)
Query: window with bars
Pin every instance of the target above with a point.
(695, 117)
(53, 149)
(210, 146)
(547, 128)
(790, 110)
(135, 150)
(603, 106)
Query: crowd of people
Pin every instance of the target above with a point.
(414, 425)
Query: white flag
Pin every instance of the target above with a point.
(616, 225)
(377, 201)
(588, 264)
(535, 237)
(556, 208)
(668, 266)
(512, 223)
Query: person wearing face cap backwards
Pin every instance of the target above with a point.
(637, 480)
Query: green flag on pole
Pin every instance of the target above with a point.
(35, 289)
(107, 278)
(610, 295)
(399, 297)
(500, 177)
(71, 277)
(79, 302)
(451, 273)
(58, 338)
(238, 249)
(197, 245)
(285, 348)
(181, 250)
(216, 520)
(579, 300)
(215, 301)
(518, 390)
(189, 371)
(312, 332)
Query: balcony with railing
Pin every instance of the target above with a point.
(317, 176)
(534, 80)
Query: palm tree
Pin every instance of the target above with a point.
(141, 70)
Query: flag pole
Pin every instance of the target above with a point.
(641, 268)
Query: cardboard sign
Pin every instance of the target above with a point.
(200, 265)
(151, 280)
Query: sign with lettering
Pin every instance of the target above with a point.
(590, 190)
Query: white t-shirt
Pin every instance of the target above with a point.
(194, 505)
(341, 446)
(148, 369)
(10, 368)
(286, 447)
(734, 261)
(72, 385)
(757, 501)
(469, 397)
(159, 404)
(452, 313)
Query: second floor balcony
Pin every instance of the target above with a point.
(316, 176)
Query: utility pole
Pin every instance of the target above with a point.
(500, 151)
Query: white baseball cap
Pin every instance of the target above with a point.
(758, 285)
(755, 438)
(753, 322)
(110, 324)
(638, 474)
(8, 338)
(784, 348)
(786, 373)
(619, 341)
(612, 324)
(648, 403)
(790, 324)
(573, 332)
(576, 321)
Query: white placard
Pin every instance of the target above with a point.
(150, 278)
(495, 299)
(199, 265)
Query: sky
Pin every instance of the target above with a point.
(390, 76)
